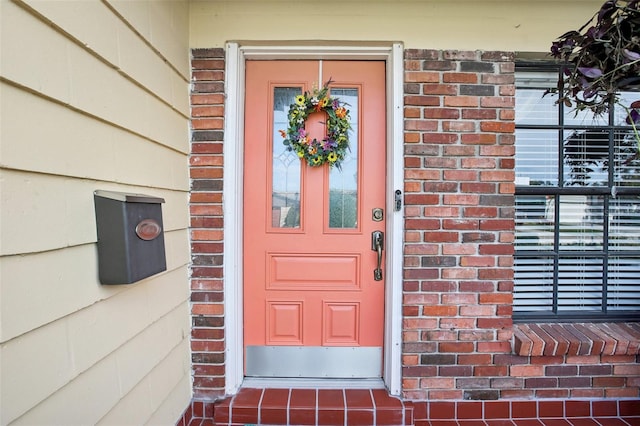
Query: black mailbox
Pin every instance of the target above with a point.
(130, 236)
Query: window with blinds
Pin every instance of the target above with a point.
(577, 246)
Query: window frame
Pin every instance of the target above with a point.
(559, 189)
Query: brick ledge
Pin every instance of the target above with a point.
(551, 339)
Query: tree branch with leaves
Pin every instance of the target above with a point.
(603, 59)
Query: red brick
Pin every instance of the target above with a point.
(207, 123)
(526, 371)
(458, 323)
(459, 224)
(459, 151)
(485, 212)
(460, 175)
(476, 311)
(497, 175)
(459, 77)
(441, 212)
(208, 75)
(205, 197)
(439, 89)
(205, 210)
(496, 151)
(441, 237)
(458, 248)
(461, 199)
(478, 163)
(478, 139)
(496, 249)
(494, 322)
(441, 113)
(206, 160)
(422, 224)
(459, 273)
(421, 273)
(478, 187)
(422, 125)
(424, 199)
(498, 102)
(207, 64)
(412, 112)
(412, 138)
(479, 114)
(207, 99)
(498, 224)
(440, 138)
(420, 299)
(206, 235)
(207, 111)
(461, 101)
(479, 261)
(421, 100)
(497, 126)
(491, 370)
(207, 309)
(422, 77)
(439, 311)
(456, 347)
(475, 359)
(458, 126)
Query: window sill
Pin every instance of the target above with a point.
(557, 339)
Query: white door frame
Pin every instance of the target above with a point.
(236, 55)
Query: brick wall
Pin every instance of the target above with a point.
(457, 327)
(205, 205)
(459, 112)
(459, 184)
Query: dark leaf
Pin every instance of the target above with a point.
(634, 56)
(590, 72)
(633, 117)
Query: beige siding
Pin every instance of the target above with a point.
(94, 95)
(508, 25)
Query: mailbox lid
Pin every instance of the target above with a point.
(128, 197)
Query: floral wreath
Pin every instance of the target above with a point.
(332, 149)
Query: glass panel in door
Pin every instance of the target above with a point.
(285, 196)
(343, 182)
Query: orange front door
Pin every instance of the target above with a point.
(312, 306)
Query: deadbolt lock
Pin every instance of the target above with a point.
(377, 214)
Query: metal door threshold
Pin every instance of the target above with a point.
(298, 383)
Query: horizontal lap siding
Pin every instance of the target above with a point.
(97, 102)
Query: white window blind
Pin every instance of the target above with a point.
(577, 246)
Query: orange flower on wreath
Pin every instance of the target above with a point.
(341, 112)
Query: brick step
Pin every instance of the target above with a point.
(312, 407)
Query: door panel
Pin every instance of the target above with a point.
(308, 259)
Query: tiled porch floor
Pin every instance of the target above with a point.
(252, 406)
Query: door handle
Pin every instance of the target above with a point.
(377, 243)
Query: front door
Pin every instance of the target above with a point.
(313, 302)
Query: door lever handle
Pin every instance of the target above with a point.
(377, 243)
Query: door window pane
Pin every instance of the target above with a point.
(285, 198)
(343, 182)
